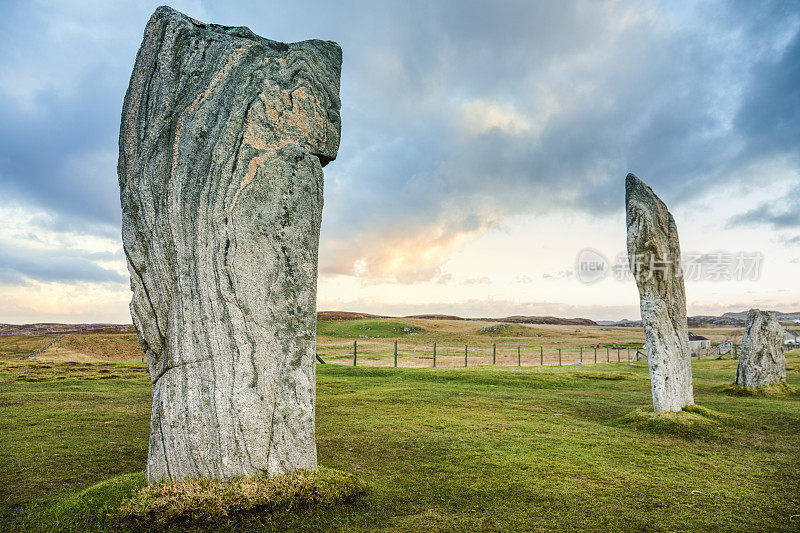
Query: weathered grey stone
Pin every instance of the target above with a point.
(761, 362)
(224, 135)
(655, 259)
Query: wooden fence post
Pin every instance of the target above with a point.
(519, 356)
(617, 353)
(595, 354)
(541, 355)
(465, 356)
(434, 354)
(581, 354)
(608, 357)
(355, 352)
(559, 357)
(494, 352)
(395, 353)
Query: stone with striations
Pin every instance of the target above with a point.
(761, 362)
(224, 135)
(655, 260)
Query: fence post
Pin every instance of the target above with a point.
(608, 357)
(541, 355)
(434, 354)
(617, 353)
(595, 354)
(355, 351)
(494, 352)
(559, 357)
(465, 356)
(629, 355)
(395, 353)
(519, 356)
(581, 354)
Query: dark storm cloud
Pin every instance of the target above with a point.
(455, 114)
(778, 214)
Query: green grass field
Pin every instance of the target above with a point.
(350, 329)
(444, 449)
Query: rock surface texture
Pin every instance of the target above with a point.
(655, 260)
(224, 135)
(761, 362)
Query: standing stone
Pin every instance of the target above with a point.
(655, 260)
(761, 362)
(224, 135)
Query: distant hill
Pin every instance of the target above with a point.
(329, 316)
(742, 315)
(519, 319)
(50, 328)
(727, 319)
(437, 317)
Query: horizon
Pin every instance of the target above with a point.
(483, 156)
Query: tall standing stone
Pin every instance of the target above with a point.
(224, 135)
(655, 260)
(761, 362)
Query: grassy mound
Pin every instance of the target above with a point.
(199, 501)
(772, 390)
(508, 330)
(128, 503)
(374, 328)
(692, 422)
(93, 509)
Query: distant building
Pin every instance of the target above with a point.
(790, 337)
(697, 342)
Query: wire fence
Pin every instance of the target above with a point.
(396, 354)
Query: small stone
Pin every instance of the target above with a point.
(655, 260)
(761, 362)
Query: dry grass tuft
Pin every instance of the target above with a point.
(692, 422)
(771, 390)
(204, 501)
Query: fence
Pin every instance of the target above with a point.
(377, 353)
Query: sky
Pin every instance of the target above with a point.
(484, 147)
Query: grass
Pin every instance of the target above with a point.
(416, 337)
(692, 422)
(493, 449)
(508, 330)
(374, 328)
(203, 502)
(770, 390)
(13, 347)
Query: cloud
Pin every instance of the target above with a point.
(457, 115)
(22, 264)
(480, 116)
(562, 274)
(783, 213)
(480, 280)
